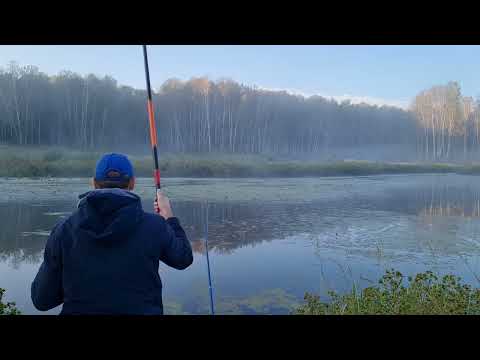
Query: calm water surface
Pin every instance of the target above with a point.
(271, 240)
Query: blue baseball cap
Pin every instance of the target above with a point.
(114, 167)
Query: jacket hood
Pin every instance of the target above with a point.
(107, 215)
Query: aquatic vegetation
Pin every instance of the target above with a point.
(270, 299)
(7, 308)
(265, 302)
(173, 308)
(423, 294)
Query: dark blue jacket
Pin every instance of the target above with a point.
(104, 258)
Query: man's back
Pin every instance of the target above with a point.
(104, 258)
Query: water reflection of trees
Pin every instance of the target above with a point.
(231, 226)
(234, 225)
(22, 233)
(448, 201)
(237, 225)
(435, 200)
(439, 210)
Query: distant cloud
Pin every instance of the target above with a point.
(354, 99)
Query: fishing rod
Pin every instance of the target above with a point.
(210, 288)
(156, 172)
(151, 121)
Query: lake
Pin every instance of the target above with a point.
(270, 240)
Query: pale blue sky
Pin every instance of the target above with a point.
(379, 74)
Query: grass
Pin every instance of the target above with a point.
(424, 294)
(7, 308)
(56, 162)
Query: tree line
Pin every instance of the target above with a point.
(447, 122)
(200, 115)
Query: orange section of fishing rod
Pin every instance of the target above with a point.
(153, 140)
(151, 119)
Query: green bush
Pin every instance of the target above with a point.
(425, 294)
(7, 308)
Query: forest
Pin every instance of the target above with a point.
(223, 116)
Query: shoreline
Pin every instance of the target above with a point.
(217, 169)
(54, 163)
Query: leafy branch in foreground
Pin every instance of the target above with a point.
(7, 308)
(424, 294)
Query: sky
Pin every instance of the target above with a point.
(375, 74)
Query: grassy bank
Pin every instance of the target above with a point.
(23, 162)
(424, 294)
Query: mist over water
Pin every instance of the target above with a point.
(272, 240)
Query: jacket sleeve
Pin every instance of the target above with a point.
(47, 287)
(178, 251)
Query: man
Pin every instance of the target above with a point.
(104, 258)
